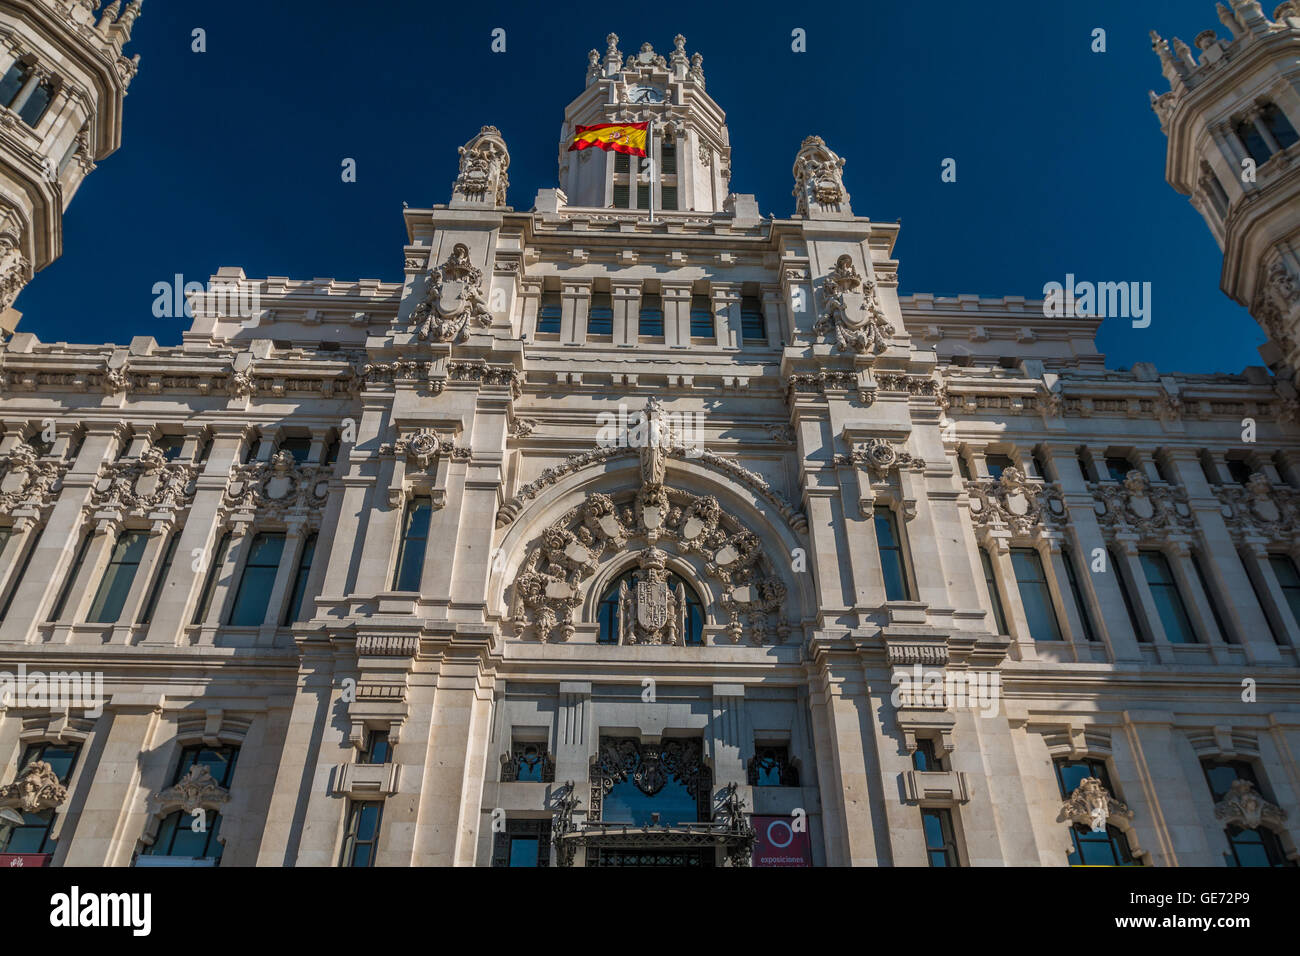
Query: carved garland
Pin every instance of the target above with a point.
(1260, 509)
(1015, 503)
(278, 488)
(144, 485)
(1242, 806)
(28, 482)
(1137, 505)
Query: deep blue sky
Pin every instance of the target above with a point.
(232, 157)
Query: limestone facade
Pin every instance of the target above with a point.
(606, 511)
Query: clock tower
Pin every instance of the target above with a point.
(690, 155)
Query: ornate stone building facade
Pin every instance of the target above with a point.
(638, 528)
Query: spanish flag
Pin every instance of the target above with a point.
(620, 137)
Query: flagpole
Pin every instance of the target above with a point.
(649, 151)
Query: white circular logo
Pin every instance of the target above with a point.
(789, 834)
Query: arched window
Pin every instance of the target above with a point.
(607, 611)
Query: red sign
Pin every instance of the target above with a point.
(24, 859)
(777, 843)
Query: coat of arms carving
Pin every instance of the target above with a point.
(853, 311)
(453, 298)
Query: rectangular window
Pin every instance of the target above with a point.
(253, 596)
(523, 843)
(378, 748)
(650, 321)
(1076, 591)
(118, 577)
(1284, 570)
(362, 837)
(155, 592)
(1108, 847)
(15, 79)
(924, 757)
(643, 196)
(668, 158)
(33, 834)
(171, 446)
(668, 194)
(997, 464)
(548, 314)
(940, 846)
(702, 317)
(210, 582)
(33, 111)
(1118, 468)
(622, 195)
(991, 582)
(1169, 603)
(1118, 567)
(600, 315)
(1238, 470)
(622, 163)
(892, 562)
(299, 448)
(1259, 598)
(1035, 595)
(300, 581)
(410, 555)
(753, 327)
(1210, 598)
(73, 573)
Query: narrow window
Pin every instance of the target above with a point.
(771, 767)
(1035, 595)
(622, 196)
(1118, 567)
(643, 196)
(523, 843)
(299, 448)
(892, 562)
(997, 464)
(1118, 468)
(1238, 470)
(15, 79)
(1211, 598)
(924, 757)
(331, 452)
(622, 163)
(410, 555)
(528, 763)
(73, 573)
(33, 834)
(651, 320)
(991, 581)
(210, 582)
(1076, 591)
(362, 837)
(1279, 126)
(668, 158)
(1259, 599)
(940, 846)
(33, 111)
(753, 326)
(155, 592)
(600, 315)
(1253, 141)
(1169, 602)
(548, 314)
(701, 317)
(1284, 570)
(378, 748)
(668, 195)
(253, 596)
(171, 446)
(300, 581)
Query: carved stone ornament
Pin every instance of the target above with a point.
(278, 488)
(194, 790)
(421, 449)
(1260, 509)
(37, 788)
(1015, 503)
(1242, 806)
(880, 458)
(145, 484)
(454, 296)
(28, 482)
(1276, 303)
(483, 164)
(852, 311)
(1092, 805)
(550, 585)
(15, 271)
(818, 177)
(1139, 506)
(649, 767)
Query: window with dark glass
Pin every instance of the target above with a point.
(160, 579)
(1246, 847)
(643, 196)
(115, 585)
(33, 111)
(600, 314)
(299, 448)
(253, 596)
(668, 158)
(361, 838)
(1118, 468)
(997, 464)
(753, 325)
(1076, 592)
(1279, 126)
(1117, 566)
(415, 535)
(195, 835)
(622, 163)
(1288, 580)
(1035, 595)
(925, 757)
(33, 835)
(940, 845)
(171, 446)
(549, 312)
(528, 762)
(701, 317)
(377, 750)
(1259, 598)
(210, 580)
(294, 608)
(14, 80)
(607, 612)
(73, 573)
(1106, 848)
(1168, 600)
(651, 316)
(523, 843)
(1238, 470)
(668, 196)
(22, 573)
(770, 767)
(995, 596)
(622, 194)
(1211, 598)
(1253, 140)
(892, 561)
